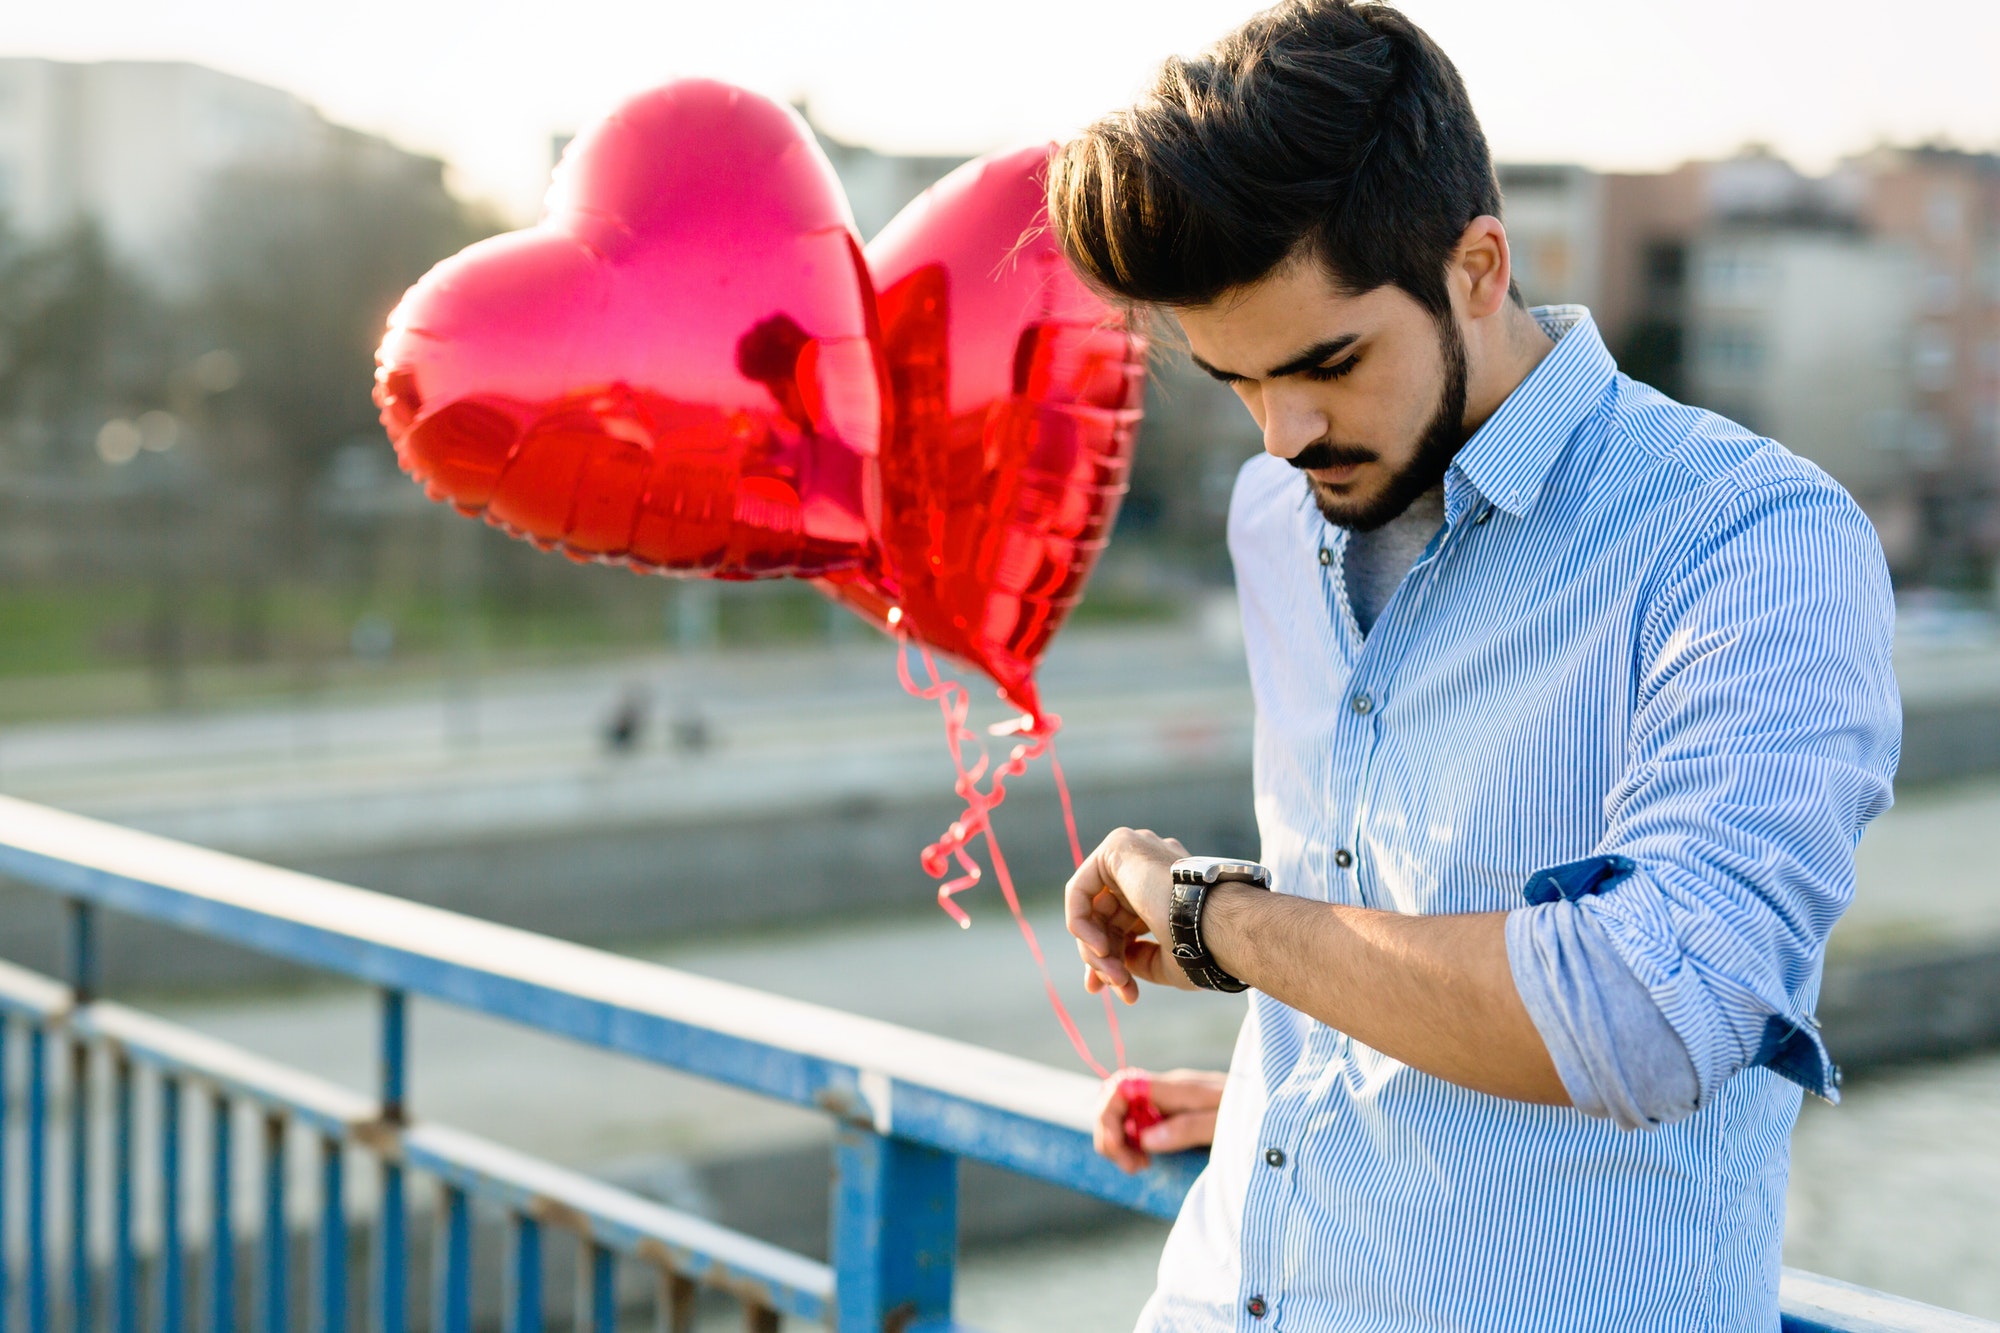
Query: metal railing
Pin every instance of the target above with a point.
(84, 1081)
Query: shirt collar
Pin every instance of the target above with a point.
(1508, 460)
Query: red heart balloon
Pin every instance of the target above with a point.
(1018, 394)
(678, 368)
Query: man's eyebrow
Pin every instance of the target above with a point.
(1311, 358)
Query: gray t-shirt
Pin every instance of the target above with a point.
(1377, 561)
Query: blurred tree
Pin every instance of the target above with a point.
(300, 264)
(85, 348)
(1194, 438)
(82, 341)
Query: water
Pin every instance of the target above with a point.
(1898, 1187)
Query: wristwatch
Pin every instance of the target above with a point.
(1193, 877)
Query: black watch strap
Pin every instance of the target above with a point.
(1193, 877)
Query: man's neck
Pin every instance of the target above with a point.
(1517, 346)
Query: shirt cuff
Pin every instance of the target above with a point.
(1616, 1054)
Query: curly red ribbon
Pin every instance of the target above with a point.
(1038, 738)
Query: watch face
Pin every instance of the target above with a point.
(1220, 869)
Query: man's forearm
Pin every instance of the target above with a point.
(1435, 992)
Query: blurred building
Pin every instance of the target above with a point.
(1799, 331)
(1943, 206)
(1555, 231)
(132, 145)
(1854, 316)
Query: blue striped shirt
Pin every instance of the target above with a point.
(1642, 673)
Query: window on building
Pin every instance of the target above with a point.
(1940, 291)
(1732, 278)
(1666, 267)
(1887, 428)
(1729, 351)
(1552, 268)
(1987, 423)
(1931, 359)
(1924, 438)
(1944, 213)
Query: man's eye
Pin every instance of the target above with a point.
(1333, 372)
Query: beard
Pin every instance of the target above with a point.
(1440, 442)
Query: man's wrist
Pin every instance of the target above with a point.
(1227, 930)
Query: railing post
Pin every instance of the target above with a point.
(6, 1138)
(222, 1221)
(125, 1255)
(276, 1289)
(173, 1297)
(38, 1181)
(392, 1244)
(332, 1238)
(79, 1185)
(454, 1263)
(895, 1232)
(83, 950)
(597, 1288)
(83, 987)
(523, 1291)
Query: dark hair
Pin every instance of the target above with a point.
(1335, 126)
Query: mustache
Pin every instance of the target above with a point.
(1325, 453)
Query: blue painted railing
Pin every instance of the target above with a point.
(907, 1106)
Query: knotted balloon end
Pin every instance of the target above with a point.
(1140, 1113)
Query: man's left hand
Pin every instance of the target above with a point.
(1118, 897)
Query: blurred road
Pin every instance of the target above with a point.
(710, 735)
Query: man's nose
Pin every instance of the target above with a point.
(1291, 423)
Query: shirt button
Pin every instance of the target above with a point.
(1325, 556)
(1362, 704)
(1274, 1156)
(1255, 1305)
(1343, 858)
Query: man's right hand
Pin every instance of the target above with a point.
(1186, 1099)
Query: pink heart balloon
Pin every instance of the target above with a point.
(1018, 398)
(678, 368)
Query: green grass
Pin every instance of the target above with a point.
(97, 649)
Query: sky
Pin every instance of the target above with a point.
(1615, 84)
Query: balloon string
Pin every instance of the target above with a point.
(1076, 854)
(954, 705)
(1069, 812)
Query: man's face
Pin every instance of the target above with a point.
(1364, 394)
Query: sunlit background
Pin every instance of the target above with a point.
(225, 616)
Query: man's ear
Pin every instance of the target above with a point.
(1483, 267)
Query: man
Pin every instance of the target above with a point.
(1571, 704)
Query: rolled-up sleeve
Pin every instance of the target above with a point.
(1765, 736)
(1617, 1057)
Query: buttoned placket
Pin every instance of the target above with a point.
(1372, 658)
